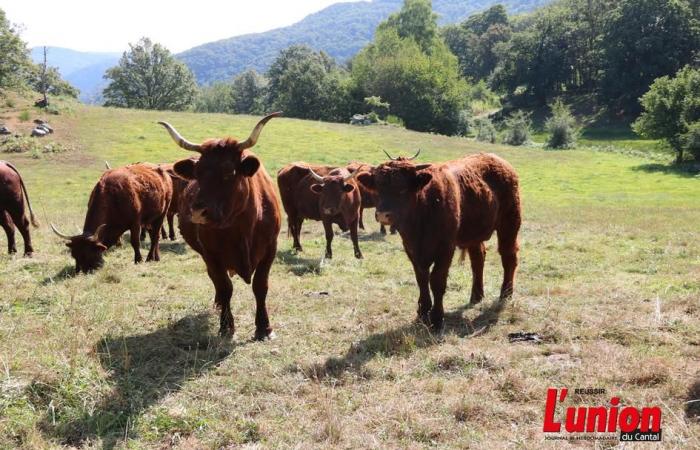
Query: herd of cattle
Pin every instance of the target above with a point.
(229, 213)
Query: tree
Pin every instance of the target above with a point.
(561, 126)
(215, 98)
(308, 85)
(48, 79)
(248, 93)
(644, 40)
(148, 77)
(417, 21)
(14, 62)
(669, 109)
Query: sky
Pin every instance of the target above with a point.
(94, 25)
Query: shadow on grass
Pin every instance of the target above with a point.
(299, 265)
(687, 170)
(403, 340)
(692, 405)
(179, 248)
(142, 369)
(64, 274)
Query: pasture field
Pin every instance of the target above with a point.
(128, 357)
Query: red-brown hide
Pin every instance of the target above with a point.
(12, 212)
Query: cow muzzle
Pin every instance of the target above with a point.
(384, 217)
(199, 216)
(330, 211)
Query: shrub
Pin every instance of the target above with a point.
(464, 123)
(691, 140)
(24, 116)
(517, 128)
(395, 120)
(485, 131)
(561, 126)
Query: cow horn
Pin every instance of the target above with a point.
(59, 234)
(388, 155)
(316, 176)
(107, 166)
(253, 138)
(351, 175)
(422, 166)
(414, 156)
(181, 141)
(98, 231)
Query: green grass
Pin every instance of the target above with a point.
(129, 358)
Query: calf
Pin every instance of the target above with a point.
(124, 199)
(322, 193)
(12, 212)
(229, 214)
(439, 207)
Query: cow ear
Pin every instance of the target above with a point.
(317, 188)
(185, 169)
(422, 178)
(101, 247)
(366, 179)
(348, 188)
(249, 165)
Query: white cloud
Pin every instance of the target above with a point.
(93, 25)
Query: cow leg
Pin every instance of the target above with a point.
(222, 298)
(155, 232)
(142, 235)
(382, 229)
(260, 286)
(508, 248)
(392, 229)
(9, 227)
(163, 234)
(295, 228)
(422, 273)
(171, 226)
(22, 224)
(362, 213)
(477, 255)
(438, 284)
(328, 227)
(353, 236)
(136, 242)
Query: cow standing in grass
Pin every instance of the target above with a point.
(229, 213)
(322, 193)
(369, 198)
(439, 207)
(12, 212)
(124, 199)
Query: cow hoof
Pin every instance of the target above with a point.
(329, 256)
(358, 255)
(438, 331)
(226, 332)
(476, 299)
(264, 335)
(28, 254)
(423, 319)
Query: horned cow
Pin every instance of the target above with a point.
(124, 199)
(229, 213)
(12, 213)
(439, 207)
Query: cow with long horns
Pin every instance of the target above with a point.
(12, 212)
(229, 214)
(439, 207)
(323, 193)
(127, 198)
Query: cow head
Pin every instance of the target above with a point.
(332, 189)
(221, 173)
(86, 249)
(395, 183)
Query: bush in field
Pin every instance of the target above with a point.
(464, 123)
(485, 131)
(670, 106)
(517, 128)
(561, 126)
(691, 140)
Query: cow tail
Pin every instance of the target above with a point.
(26, 195)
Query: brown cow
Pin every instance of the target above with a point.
(179, 186)
(438, 207)
(229, 213)
(322, 193)
(369, 198)
(124, 199)
(12, 213)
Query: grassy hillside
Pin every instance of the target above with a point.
(128, 357)
(340, 30)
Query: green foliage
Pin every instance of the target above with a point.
(691, 140)
(464, 123)
(24, 116)
(148, 77)
(14, 61)
(485, 130)
(248, 93)
(517, 128)
(644, 40)
(416, 20)
(669, 107)
(215, 98)
(561, 126)
(309, 85)
(378, 107)
(422, 85)
(55, 85)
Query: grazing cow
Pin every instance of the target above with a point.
(369, 198)
(438, 207)
(12, 213)
(229, 213)
(320, 193)
(126, 198)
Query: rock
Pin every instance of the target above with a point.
(5, 131)
(360, 119)
(45, 127)
(39, 121)
(38, 132)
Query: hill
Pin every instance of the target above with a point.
(609, 277)
(340, 30)
(83, 70)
